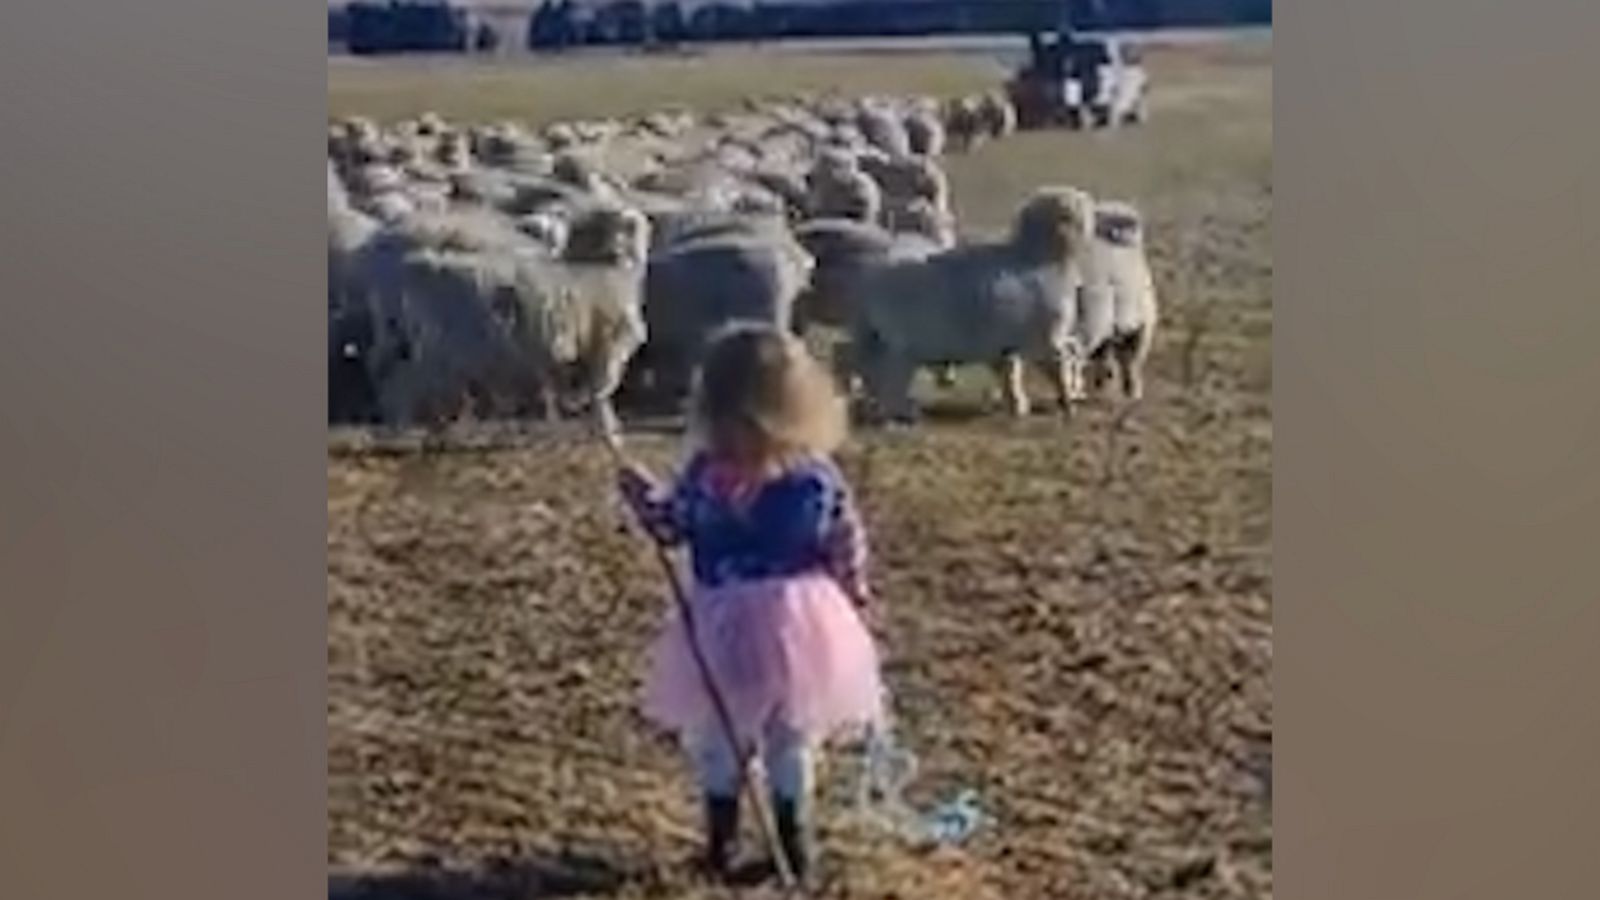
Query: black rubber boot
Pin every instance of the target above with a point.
(794, 835)
(722, 832)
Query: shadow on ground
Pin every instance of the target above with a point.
(539, 876)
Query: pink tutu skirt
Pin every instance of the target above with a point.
(790, 652)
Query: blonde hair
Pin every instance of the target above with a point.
(759, 395)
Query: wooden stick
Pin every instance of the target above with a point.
(613, 443)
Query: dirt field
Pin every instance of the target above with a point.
(1079, 617)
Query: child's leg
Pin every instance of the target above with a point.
(717, 765)
(788, 758)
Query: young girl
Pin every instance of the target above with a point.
(778, 556)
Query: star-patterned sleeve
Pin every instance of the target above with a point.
(845, 546)
(663, 512)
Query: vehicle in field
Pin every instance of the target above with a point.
(1083, 81)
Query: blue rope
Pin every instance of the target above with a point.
(886, 769)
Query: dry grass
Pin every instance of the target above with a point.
(1079, 615)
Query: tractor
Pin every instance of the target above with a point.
(1079, 81)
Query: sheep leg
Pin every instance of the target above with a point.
(550, 400)
(1130, 356)
(1010, 372)
(890, 386)
(1065, 371)
(611, 370)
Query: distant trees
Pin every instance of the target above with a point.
(400, 26)
(394, 26)
(668, 24)
(553, 26)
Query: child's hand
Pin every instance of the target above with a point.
(633, 481)
(870, 612)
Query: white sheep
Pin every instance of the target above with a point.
(996, 303)
(486, 313)
(1118, 308)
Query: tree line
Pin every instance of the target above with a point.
(401, 26)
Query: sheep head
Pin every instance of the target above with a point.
(1119, 223)
(609, 235)
(548, 229)
(454, 150)
(572, 169)
(1055, 223)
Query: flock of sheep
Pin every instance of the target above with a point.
(483, 269)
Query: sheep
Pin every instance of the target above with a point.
(995, 302)
(338, 197)
(685, 225)
(789, 187)
(505, 145)
(550, 231)
(693, 287)
(560, 136)
(380, 277)
(922, 219)
(453, 151)
(451, 312)
(374, 178)
(584, 319)
(842, 249)
(533, 195)
(359, 142)
(786, 146)
(1118, 304)
(430, 123)
(660, 124)
(997, 115)
(925, 134)
(484, 313)
(582, 174)
(906, 179)
(837, 188)
(963, 122)
(348, 233)
(884, 130)
(388, 206)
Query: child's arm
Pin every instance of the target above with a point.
(660, 512)
(845, 546)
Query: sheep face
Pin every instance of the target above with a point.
(549, 230)
(1119, 224)
(619, 236)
